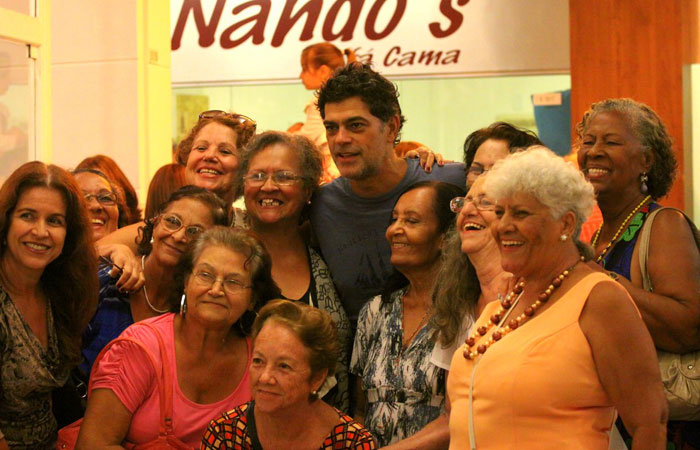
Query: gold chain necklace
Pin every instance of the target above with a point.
(619, 231)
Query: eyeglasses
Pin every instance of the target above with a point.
(231, 285)
(480, 203)
(173, 224)
(104, 199)
(477, 170)
(280, 178)
(240, 118)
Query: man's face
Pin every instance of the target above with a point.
(359, 142)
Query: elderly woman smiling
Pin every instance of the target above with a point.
(226, 278)
(557, 355)
(295, 349)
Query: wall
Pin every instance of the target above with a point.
(440, 112)
(111, 84)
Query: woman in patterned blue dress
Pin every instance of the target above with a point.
(401, 391)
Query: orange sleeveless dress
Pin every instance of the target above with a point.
(536, 388)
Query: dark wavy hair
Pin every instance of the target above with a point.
(443, 193)
(69, 281)
(122, 221)
(106, 165)
(314, 327)
(308, 155)
(257, 260)
(218, 209)
(359, 80)
(651, 132)
(515, 137)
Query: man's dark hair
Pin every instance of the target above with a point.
(359, 80)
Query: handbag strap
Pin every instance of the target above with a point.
(163, 382)
(645, 238)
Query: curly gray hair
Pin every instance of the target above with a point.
(540, 173)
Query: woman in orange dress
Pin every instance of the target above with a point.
(547, 365)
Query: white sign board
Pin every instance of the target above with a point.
(260, 41)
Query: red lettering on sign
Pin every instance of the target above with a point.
(206, 32)
(452, 14)
(345, 34)
(312, 10)
(371, 22)
(257, 32)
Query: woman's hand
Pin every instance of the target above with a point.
(672, 311)
(105, 424)
(626, 364)
(427, 158)
(126, 266)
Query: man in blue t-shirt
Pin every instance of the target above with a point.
(362, 116)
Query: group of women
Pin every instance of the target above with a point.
(505, 331)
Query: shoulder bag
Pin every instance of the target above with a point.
(166, 440)
(680, 373)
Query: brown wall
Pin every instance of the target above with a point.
(632, 48)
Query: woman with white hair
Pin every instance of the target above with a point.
(547, 365)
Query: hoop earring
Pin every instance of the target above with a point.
(643, 178)
(183, 305)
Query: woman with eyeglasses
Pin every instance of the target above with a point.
(210, 155)
(400, 391)
(225, 276)
(279, 173)
(105, 202)
(162, 242)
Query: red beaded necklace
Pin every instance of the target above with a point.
(507, 305)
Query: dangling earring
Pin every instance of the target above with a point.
(151, 241)
(643, 178)
(183, 305)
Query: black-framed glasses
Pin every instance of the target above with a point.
(173, 224)
(103, 198)
(240, 118)
(280, 178)
(230, 285)
(480, 203)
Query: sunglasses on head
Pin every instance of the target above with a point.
(240, 118)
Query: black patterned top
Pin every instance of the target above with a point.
(28, 374)
(235, 430)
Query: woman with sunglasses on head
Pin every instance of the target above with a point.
(163, 239)
(206, 351)
(279, 173)
(210, 155)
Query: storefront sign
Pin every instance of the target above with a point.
(260, 41)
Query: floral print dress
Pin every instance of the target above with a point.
(404, 390)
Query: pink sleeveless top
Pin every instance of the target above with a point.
(536, 388)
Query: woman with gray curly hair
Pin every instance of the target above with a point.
(626, 153)
(278, 174)
(547, 365)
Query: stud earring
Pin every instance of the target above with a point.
(183, 305)
(563, 237)
(643, 178)
(151, 241)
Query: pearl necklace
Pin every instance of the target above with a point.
(145, 292)
(619, 231)
(507, 306)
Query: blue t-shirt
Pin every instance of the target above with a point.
(350, 232)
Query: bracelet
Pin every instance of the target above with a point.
(614, 276)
